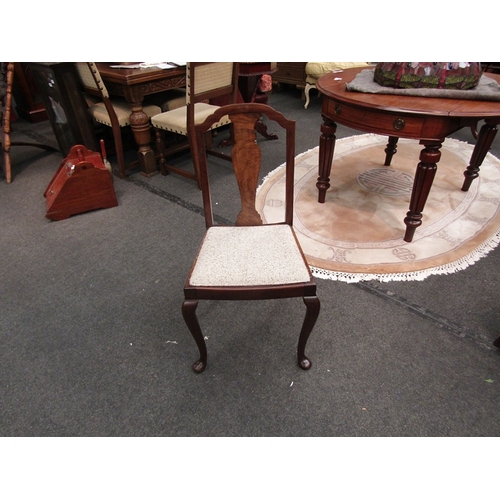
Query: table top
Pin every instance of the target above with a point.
(329, 86)
(137, 76)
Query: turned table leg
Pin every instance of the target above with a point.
(390, 150)
(483, 144)
(139, 123)
(326, 148)
(424, 176)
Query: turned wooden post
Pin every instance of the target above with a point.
(390, 150)
(484, 140)
(424, 176)
(139, 123)
(326, 148)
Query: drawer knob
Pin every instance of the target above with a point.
(398, 124)
(338, 109)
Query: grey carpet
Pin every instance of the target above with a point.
(92, 341)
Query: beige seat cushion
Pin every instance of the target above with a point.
(122, 110)
(249, 255)
(176, 120)
(175, 99)
(174, 103)
(316, 69)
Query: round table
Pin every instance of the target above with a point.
(427, 119)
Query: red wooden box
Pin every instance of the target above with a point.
(82, 183)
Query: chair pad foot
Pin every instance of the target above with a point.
(199, 366)
(305, 363)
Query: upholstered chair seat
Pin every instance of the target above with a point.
(176, 119)
(176, 99)
(122, 110)
(228, 258)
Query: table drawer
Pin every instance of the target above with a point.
(377, 123)
(290, 73)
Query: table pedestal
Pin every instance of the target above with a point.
(141, 128)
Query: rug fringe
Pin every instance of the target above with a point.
(351, 277)
(450, 268)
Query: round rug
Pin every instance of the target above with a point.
(357, 234)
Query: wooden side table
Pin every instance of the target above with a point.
(293, 73)
(427, 119)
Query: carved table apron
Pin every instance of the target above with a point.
(429, 120)
(134, 85)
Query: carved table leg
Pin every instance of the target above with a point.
(483, 144)
(326, 147)
(139, 123)
(390, 150)
(424, 176)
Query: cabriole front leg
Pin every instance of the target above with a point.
(189, 314)
(326, 148)
(424, 176)
(312, 312)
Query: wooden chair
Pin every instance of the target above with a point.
(114, 113)
(6, 82)
(205, 81)
(249, 260)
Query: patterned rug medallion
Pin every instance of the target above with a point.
(357, 234)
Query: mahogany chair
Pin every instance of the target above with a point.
(205, 81)
(249, 260)
(114, 113)
(6, 82)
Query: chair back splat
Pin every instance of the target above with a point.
(252, 260)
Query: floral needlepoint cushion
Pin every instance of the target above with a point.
(265, 83)
(430, 75)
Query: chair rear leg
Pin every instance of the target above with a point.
(160, 147)
(120, 156)
(194, 156)
(312, 312)
(7, 166)
(189, 314)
